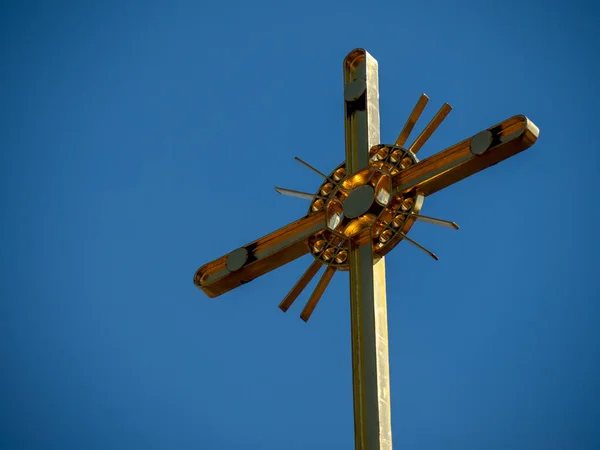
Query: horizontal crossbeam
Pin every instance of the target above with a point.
(468, 157)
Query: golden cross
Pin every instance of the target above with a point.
(362, 210)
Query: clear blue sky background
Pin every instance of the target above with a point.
(140, 140)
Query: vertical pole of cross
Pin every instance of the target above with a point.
(370, 358)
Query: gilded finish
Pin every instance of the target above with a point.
(264, 254)
(359, 213)
(430, 128)
(384, 216)
(368, 306)
(412, 120)
(300, 285)
(317, 293)
(458, 161)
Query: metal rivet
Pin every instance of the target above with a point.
(359, 201)
(481, 142)
(236, 259)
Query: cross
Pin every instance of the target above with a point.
(361, 211)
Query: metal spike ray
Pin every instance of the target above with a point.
(412, 120)
(292, 193)
(300, 285)
(430, 128)
(317, 293)
(434, 221)
(420, 247)
(308, 166)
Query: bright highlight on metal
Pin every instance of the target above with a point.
(368, 305)
(363, 208)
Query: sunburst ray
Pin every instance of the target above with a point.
(317, 293)
(308, 166)
(433, 220)
(293, 193)
(419, 246)
(300, 285)
(412, 120)
(430, 128)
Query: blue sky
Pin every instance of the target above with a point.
(142, 139)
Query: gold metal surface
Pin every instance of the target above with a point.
(341, 200)
(359, 213)
(317, 293)
(360, 66)
(430, 128)
(412, 120)
(265, 254)
(368, 308)
(457, 162)
(300, 285)
(370, 356)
